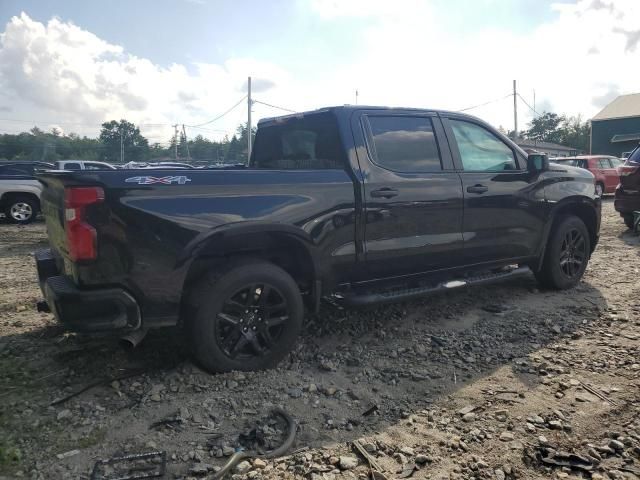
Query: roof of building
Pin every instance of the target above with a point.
(622, 107)
(540, 144)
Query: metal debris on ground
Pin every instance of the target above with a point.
(370, 410)
(376, 472)
(237, 457)
(104, 381)
(131, 467)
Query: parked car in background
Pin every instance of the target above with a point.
(627, 198)
(603, 167)
(20, 191)
(164, 165)
(83, 165)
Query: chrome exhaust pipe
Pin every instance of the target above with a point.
(132, 339)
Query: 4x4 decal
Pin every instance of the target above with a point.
(179, 179)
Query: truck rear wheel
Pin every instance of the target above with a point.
(247, 318)
(567, 254)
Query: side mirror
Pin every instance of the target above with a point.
(537, 162)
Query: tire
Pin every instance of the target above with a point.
(229, 329)
(567, 254)
(599, 189)
(628, 221)
(21, 209)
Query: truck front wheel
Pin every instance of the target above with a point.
(247, 318)
(566, 255)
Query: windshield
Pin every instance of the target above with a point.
(310, 142)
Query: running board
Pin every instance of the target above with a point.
(388, 296)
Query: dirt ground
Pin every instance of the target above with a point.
(503, 381)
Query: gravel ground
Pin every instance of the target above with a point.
(503, 381)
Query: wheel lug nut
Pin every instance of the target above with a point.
(254, 327)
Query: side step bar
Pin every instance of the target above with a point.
(388, 296)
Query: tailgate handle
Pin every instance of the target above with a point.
(477, 189)
(384, 192)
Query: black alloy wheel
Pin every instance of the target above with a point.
(566, 255)
(246, 316)
(573, 253)
(251, 321)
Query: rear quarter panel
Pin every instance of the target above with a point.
(148, 233)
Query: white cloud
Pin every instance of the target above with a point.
(576, 62)
(63, 73)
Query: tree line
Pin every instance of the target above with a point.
(560, 129)
(38, 145)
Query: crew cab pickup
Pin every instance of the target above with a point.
(360, 204)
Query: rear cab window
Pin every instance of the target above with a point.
(309, 142)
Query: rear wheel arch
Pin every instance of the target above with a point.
(289, 252)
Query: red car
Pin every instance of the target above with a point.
(603, 167)
(627, 198)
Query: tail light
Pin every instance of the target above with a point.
(625, 170)
(81, 237)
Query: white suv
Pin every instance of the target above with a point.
(20, 191)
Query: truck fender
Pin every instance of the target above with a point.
(576, 205)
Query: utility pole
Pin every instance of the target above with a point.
(175, 141)
(121, 146)
(248, 120)
(515, 112)
(356, 96)
(184, 132)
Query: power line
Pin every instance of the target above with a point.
(525, 102)
(219, 116)
(274, 106)
(485, 103)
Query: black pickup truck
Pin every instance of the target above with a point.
(361, 204)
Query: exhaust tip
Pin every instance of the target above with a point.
(132, 339)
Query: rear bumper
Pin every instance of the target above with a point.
(82, 310)
(626, 203)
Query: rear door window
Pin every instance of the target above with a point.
(404, 144)
(72, 166)
(480, 150)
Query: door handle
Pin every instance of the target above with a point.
(477, 189)
(384, 192)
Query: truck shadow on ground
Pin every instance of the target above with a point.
(395, 359)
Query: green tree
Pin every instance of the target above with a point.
(136, 147)
(568, 131)
(545, 128)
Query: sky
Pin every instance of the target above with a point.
(74, 64)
